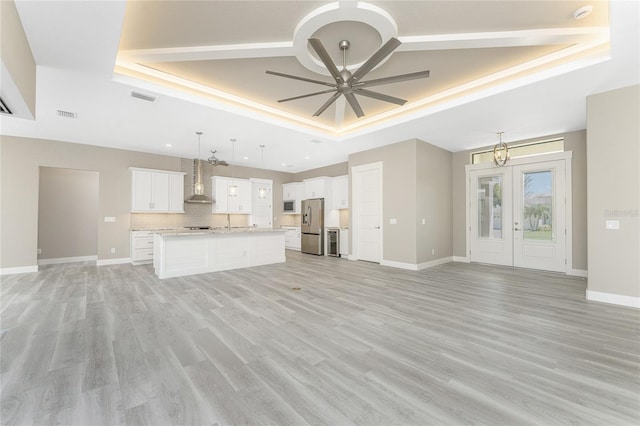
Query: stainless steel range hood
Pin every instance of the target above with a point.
(198, 186)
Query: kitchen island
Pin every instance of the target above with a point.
(178, 253)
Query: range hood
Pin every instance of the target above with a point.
(198, 187)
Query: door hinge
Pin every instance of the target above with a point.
(565, 261)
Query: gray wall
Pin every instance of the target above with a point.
(398, 199)
(21, 158)
(339, 169)
(67, 213)
(20, 161)
(613, 165)
(17, 58)
(434, 203)
(573, 141)
(416, 184)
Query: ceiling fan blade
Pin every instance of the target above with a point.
(380, 96)
(393, 79)
(295, 77)
(325, 58)
(306, 96)
(354, 104)
(327, 104)
(377, 57)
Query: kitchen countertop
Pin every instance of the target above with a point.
(177, 232)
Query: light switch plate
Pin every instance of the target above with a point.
(393, 221)
(613, 224)
(109, 219)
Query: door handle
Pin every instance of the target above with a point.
(517, 229)
(377, 227)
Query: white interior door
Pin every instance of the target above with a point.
(491, 216)
(367, 211)
(539, 216)
(518, 215)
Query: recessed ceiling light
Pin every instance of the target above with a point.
(246, 158)
(583, 12)
(284, 164)
(307, 157)
(168, 145)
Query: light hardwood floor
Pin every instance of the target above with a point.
(357, 344)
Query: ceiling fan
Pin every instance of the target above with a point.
(348, 83)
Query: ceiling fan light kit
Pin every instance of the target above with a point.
(349, 84)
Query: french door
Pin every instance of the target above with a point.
(518, 215)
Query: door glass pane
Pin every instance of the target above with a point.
(538, 205)
(490, 207)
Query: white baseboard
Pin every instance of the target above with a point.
(463, 259)
(416, 267)
(616, 299)
(19, 270)
(401, 265)
(118, 261)
(58, 260)
(351, 257)
(577, 273)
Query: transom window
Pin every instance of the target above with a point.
(521, 150)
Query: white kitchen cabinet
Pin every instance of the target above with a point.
(344, 242)
(293, 191)
(156, 191)
(292, 237)
(176, 193)
(341, 192)
(240, 203)
(318, 188)
(261, 203)
(141, 247)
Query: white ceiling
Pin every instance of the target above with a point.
(75, 45)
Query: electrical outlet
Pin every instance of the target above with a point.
(39, 251)
(393, 221)
(109, 219)
(433, 252)
(424, 221)
(113, 250)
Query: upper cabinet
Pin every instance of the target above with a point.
(156, 191)
(341, 192)
(261, 203)
(318, 188)
(292, 194)
(225, 200)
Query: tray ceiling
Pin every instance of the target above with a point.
(221, 50)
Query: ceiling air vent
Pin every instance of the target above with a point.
(4, 109)
(143, 96)
(67, 114)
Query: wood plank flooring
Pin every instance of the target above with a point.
(358, 344)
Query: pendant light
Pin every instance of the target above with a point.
(233, 188)
(500, 152)
(262, 191)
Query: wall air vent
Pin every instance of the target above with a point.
(67, 114)
(143, 96)
(4, 109)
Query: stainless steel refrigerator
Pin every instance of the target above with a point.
(312, 226)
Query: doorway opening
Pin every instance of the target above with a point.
(67, 216)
